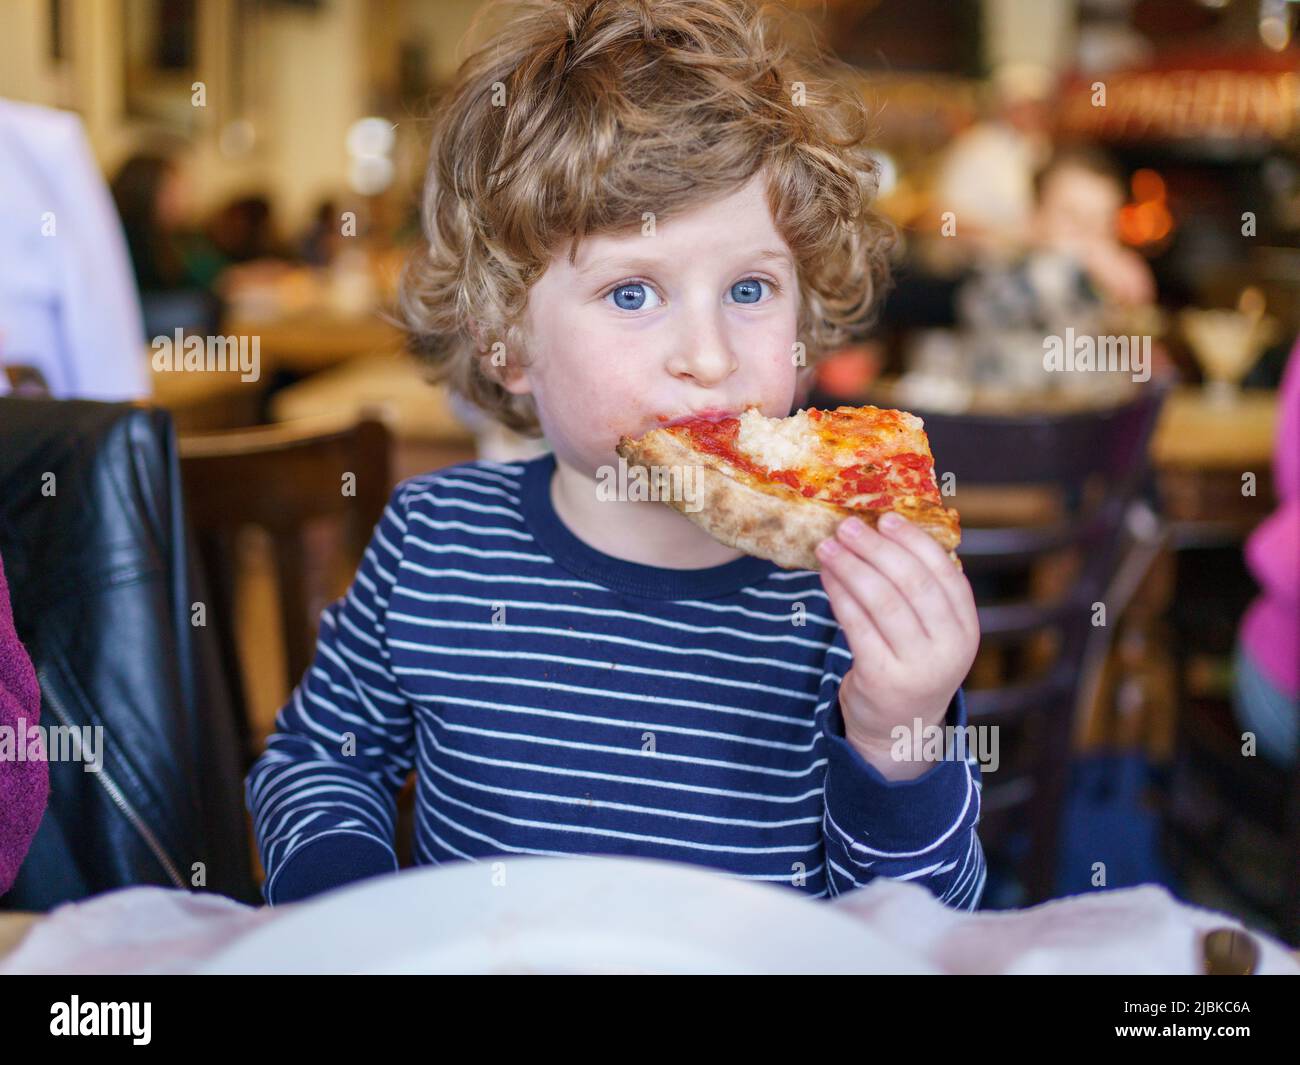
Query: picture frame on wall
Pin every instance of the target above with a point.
(191, 69)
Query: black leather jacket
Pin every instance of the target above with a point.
(95, 547)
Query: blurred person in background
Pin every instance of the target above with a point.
(1072, 272)
(1072, 265)
(69, 312)
(1266, 662)
(243, 230)
(1077, 199)
(322, 239)
(252, 258)
(985, 177)
(175, 268)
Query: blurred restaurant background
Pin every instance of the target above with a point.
(1056, 168)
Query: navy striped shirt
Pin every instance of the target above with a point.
(556, 700)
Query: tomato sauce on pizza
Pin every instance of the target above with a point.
(856, 457)
(775, 487)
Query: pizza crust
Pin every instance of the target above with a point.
(781, 525)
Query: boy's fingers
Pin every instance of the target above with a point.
(910, 575)
(865, 637)
(955, 586)
(876, 594)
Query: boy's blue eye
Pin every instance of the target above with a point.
(748, 291)
(632, 296)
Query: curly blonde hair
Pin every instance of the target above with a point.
(577, 116)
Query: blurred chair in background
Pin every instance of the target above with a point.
(1224, 807)
(290, 481)
(1039, 576)
(302, 486)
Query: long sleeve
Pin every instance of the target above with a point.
(68, 302)
(1270, 629)
(322, 794)
(24, 783)
(921, 829)
(102, 321)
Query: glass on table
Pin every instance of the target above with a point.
(1227, 343)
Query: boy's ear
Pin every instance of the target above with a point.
(513, 379)
(496, 365)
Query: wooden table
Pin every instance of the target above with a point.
(1194, 432)
(13, 927)
(207, 400)
(1204, 452)
(303, 343)
(427, 432)
(318, 340)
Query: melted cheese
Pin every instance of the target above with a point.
(778, 443)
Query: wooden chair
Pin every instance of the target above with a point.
(1213, 797)
(1038, 582)
(1231, 823)
(285, 480)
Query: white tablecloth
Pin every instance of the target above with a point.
(1130, 930)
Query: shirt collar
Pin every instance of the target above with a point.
(620, 575)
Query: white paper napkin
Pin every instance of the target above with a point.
(132, 930)
(1120, 931)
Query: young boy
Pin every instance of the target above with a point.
(571, 674)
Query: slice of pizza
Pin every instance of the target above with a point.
(777, 487)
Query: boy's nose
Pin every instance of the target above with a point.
(705, 356)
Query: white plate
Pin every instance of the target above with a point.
(528, 914)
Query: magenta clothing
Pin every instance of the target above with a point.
(25, 784)
(1271, 627)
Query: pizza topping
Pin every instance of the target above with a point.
(777, 443)
(912, 460)
(719, 438)
(859, 458)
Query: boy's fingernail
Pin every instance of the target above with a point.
(828, 548)
(891, 521)
(854, 527)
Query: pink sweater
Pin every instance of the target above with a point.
(24, 785)
(1271, 627)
